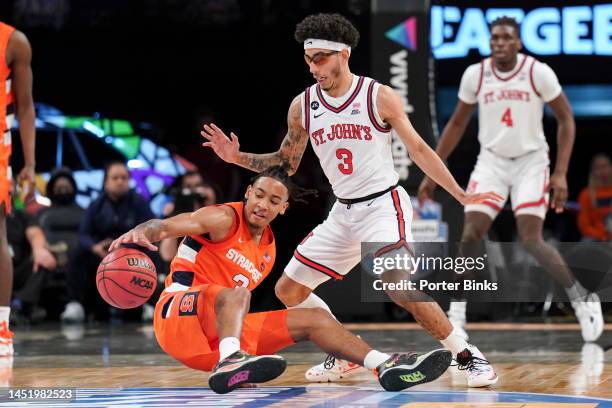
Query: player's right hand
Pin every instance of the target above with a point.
(426, 190)
(134, 236)
(226, 148)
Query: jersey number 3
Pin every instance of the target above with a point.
(346, 167)
(507, 117)
(241, 280)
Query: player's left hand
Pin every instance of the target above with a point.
(479, 198)
(134, 236)
(558, 185)
(26, 178)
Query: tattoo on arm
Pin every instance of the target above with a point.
(153, 229)
(291, 150)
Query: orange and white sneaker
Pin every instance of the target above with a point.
(333, 369)
(479, 371)
(6, 340)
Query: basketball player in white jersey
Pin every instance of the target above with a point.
(348, 120)
(511, 89)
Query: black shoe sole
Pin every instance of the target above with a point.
(255, 370)
(428, 367)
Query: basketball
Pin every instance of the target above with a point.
(126, 278)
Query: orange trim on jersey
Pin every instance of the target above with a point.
(345, 104)
(481, 76)
(511, 76)
(531, 78)
(371, 103)
(317, 266)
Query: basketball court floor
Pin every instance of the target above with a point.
(540, 365)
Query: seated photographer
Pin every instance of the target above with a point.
(189, 193)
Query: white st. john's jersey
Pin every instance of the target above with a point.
(352, 142)
(510, 104)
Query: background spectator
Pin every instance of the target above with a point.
(60, 222)
(31, 259)
(189, 193)
(117, 210)
(595, 216)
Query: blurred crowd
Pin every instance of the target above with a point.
(56, 250)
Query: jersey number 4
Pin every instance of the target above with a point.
(507, 117)
(346, 167)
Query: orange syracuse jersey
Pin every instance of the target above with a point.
(236, 261)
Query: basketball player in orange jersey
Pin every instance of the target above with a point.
(15, 96)
(348, 120)
(202, 319)
(511, 89)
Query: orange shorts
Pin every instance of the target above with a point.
(185, 328)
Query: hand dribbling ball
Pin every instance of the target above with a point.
(126, 278)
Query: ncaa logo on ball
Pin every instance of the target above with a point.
(143, 263)
(143, 283)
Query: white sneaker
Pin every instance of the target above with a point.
(6, 340)
(333, 369)
(456, 315)
(590, 317)
(147, 313)
(478, 370)
(73, 312)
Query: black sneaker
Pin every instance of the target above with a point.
(403, 371)
(241, 367)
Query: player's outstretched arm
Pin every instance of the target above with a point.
(290, 152)
(391, 111)
(20, 54)
(215, 220)
(451, 135)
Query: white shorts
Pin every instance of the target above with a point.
(524, 178)
(333, 248)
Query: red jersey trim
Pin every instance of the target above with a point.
(345, 104)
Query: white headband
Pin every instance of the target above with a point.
(325, 44)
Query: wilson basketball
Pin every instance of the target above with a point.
(126, 278)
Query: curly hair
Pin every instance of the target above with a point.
(330, 27)
(296, 193)
(508, 21)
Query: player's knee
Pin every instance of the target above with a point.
(471, 233)
(240, 297)
(530, 235)
(289, 292)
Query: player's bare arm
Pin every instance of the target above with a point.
(451, 135)
(290, 152)
(19, 57)
(391, 110)
(214, 220)
(566, 133)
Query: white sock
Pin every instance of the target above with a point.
(311, 302)
(454, 343)
(576, 292)
(5, 311)
(375, 358)
(228, 346)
